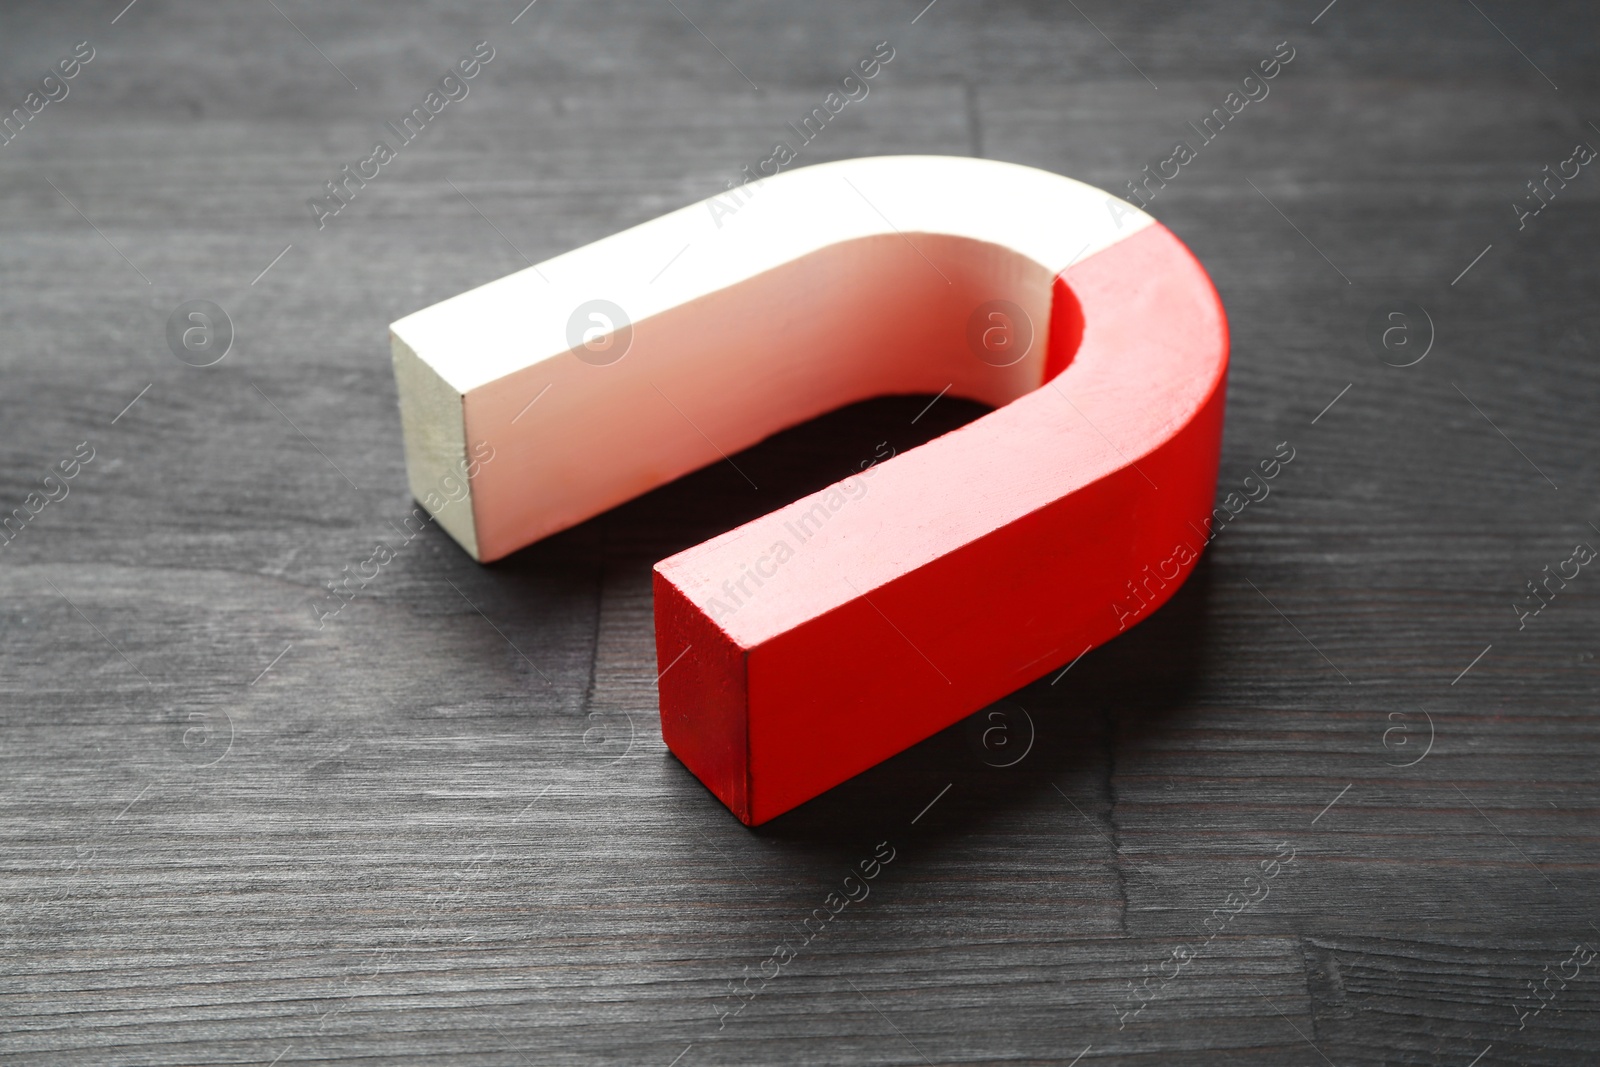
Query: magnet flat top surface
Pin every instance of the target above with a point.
(491, 331)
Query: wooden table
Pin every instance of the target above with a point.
(442, 825)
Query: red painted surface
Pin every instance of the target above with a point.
(965, 568)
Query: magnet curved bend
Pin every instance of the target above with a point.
(830, 634)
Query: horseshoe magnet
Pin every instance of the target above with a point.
(820, 639)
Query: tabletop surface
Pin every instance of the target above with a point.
(1334, 803)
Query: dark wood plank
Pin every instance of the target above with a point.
(443, 824)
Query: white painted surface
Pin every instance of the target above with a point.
(825, 285)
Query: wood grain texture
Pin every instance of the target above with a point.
(443, 826)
